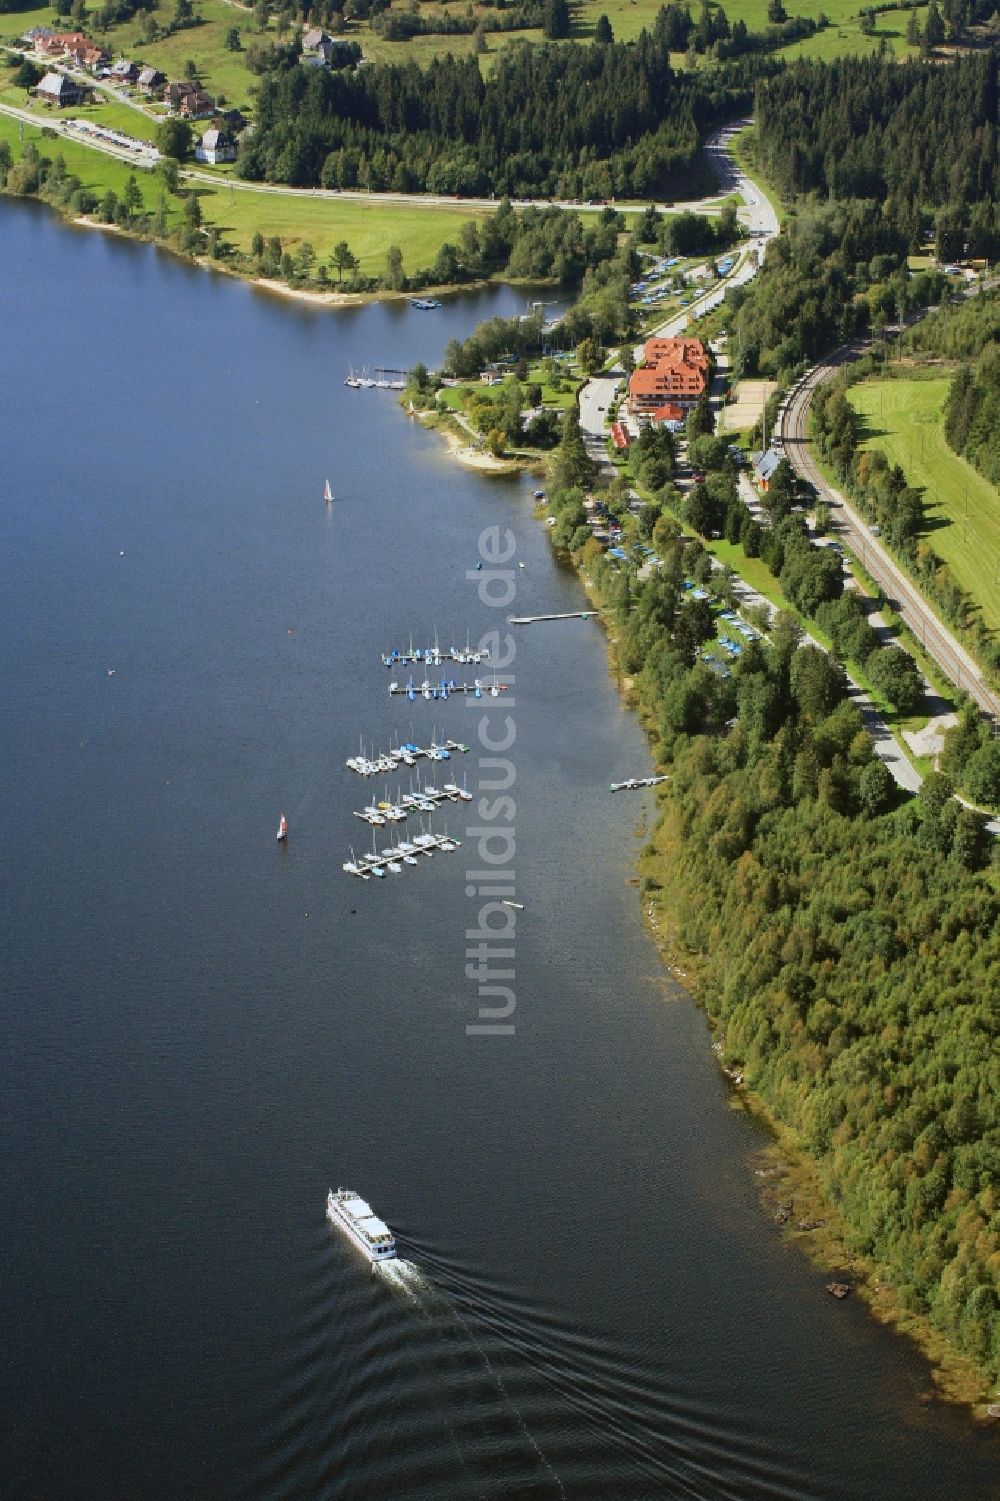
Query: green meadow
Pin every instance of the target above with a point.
(903, 418)
(418, 229)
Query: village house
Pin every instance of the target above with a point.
(88, 55)
(36, 35)
(313, 39)
(56, 88)
(196, 106)
(764, 465)
(55, 43)
(215, 146)
(175, 92)
(675, 373)
(151, 80)
(124, 71)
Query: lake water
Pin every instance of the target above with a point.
(203, 1030)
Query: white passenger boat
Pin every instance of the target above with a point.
(348, 1212)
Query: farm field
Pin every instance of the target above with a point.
(903, 419)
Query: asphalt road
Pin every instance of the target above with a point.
(756, 215)
(935, 637)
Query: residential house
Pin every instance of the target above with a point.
(36, 35)
(196, 106)
(124, 71)
(151, 80)
(313, 39)
(56, 88)
(175, 92)
(88, 55)
(764, 465)
(58, 42)
(215, 146)
(234, 122)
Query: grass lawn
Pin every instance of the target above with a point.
(18, 18)
(903, 419)
(628, 18)
(95, 170)
(223, 73)
(369, 229)
(102, 111)
(846, 39)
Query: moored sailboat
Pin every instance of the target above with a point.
(282, 827)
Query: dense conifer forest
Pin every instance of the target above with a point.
(915, 137)
(970, 334)
(600, 122)
(845, 938)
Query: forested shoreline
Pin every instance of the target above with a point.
(842, 936)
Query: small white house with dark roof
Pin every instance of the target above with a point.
(764, 465)
(151, 80)
(215, 146)
(124, 71)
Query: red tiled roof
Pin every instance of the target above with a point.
(675, 352)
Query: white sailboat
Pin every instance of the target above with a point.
(327, 493)
(282, 827)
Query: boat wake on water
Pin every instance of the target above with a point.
(406, 1277)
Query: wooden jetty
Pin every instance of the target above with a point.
(567, 615)
(632, 784)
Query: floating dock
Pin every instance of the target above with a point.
(377, 862)
(632, 784)
(386, 762)
(434, 656)
(424, 800)
(568, 615)
(445, 689)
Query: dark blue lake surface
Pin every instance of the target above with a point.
(203, 1030)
